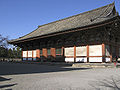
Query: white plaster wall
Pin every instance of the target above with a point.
(95, 50)
(82, 59)
(81, 51)
(107, 50)
(24, 54)
(24, 59)
(95, 59)
(34, 58)
(34, 53)
(107, 59)
(69, 51)
(29, 53)
(118, 59)
(29, 58)
(69, 59)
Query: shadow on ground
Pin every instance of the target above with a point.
(7, 86)
(111, 83)
(4, 79)
(17, 68)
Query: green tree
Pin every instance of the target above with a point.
(3, 52)
(14, 52)
(6, 52)
(19, 52)
(10, 53)
(3, 46)
(3, 41)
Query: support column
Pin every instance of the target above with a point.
(63, 51)
(87, 53)
(32, 55)
(74, 53)
(38, 54)
(27, 55)
(63, 54)
(117, 51)
(110, 53)
(103, 52)
(53, 54)
(22, 54)
(44, 52)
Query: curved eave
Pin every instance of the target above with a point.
(108, 21)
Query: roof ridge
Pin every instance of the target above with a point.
(68, 18)
(78, 14)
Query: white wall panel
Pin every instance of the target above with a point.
(34, 53)
(34, 59)
(95, 50)
(107, 50)
(29, 58)
(24, 53)
(95, 59)
(29, 53)
(118, 59)
(69, 59)
(82, 59)
(69, 51)
(81, 51)
(24, 58)
(107, 59)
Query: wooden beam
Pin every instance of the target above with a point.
(103, 52)
(74, 53)
(110, 53)
(45, 52)
(63, 52)
(32, 55)
(87, 53)
(53, 53)
(27, 55)
(38, 53)
(117, 51)
(22, 54)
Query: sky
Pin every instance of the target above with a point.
(20, 17)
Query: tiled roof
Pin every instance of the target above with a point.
(84, 19)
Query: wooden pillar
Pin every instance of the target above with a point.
(32, 55)
(38, 53)
(103, 52)
(27, 55)
(45, 52)
(53, 53)
(110, 53)
(63, 51)
(87, 53)
(117, 51)
(74, 53)
(22, 54)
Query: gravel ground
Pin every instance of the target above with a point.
(46, 77)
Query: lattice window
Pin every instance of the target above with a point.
(41, 52)
(48, 52)
(58, 51)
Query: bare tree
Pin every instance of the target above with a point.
(3, 41)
